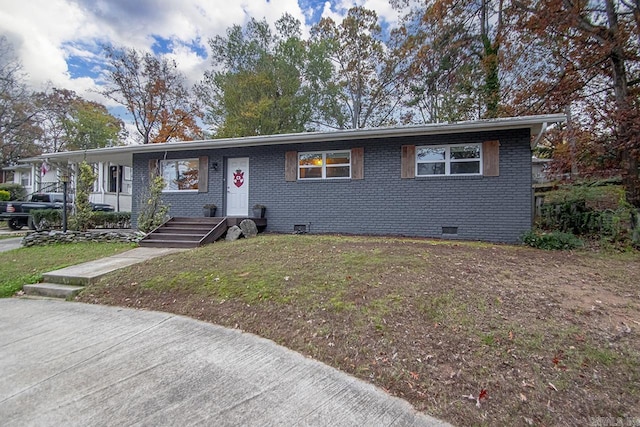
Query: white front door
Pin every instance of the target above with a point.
(238, 186)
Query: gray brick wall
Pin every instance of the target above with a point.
(482, 208)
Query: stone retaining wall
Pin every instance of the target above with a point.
(54, 236)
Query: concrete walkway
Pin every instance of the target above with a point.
(90, 271)
(67, 282)
(72, 364)
(11, 239)
(10, 244)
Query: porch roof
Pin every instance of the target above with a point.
(123, 155)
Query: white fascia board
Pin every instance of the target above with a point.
(536, 124)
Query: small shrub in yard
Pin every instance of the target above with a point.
(551, 241)
(5, 196)
(153, 211)
(111, 220)
(16, 191)
(83, 212)
(46, 219)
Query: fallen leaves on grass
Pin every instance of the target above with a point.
(481, 396)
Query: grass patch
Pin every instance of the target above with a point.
(26, 265)
(11, 236)
(549, 335)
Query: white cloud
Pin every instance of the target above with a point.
(337, 10)
(59, 41)
(191, 64)
(383, 9)
(334, 13)
(37, 31)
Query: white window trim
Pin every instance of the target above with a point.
(447, 160)
(161, 167)
(25, 176)
(324, 165)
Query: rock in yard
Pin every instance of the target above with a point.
(249, 228)
(233, 233)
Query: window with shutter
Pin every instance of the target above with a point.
(315, 165)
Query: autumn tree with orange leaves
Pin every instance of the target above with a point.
(153, 91)
(519, 57)
(595, 50)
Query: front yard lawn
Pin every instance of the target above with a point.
(543, 338)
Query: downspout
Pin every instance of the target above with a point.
(543, 130)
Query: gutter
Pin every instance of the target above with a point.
(536, 124)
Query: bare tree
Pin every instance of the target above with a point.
(154, 92)
(18, 129)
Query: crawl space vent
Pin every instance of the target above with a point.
(450, 230)
(299, 228)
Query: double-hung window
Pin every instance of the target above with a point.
(180, 175)
(442, 160)
(324, 165)
(25, 179)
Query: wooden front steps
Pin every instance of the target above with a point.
(187, 232)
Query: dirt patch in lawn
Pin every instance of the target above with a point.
(475, 334)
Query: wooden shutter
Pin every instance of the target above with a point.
(154, 169)
(203, 174)
(357, 163)
(408, 164)
(491, 158)
(291, 166)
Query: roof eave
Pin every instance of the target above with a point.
(536, 124)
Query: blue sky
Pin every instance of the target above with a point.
(58, 41)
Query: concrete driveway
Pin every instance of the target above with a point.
(72, 364)
(10, 244)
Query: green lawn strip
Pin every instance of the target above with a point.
(11, 236)
(26, 265)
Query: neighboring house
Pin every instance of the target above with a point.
(34, 177)
(43, 173)
(466, 180)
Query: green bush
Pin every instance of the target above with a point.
(153, 211)
(46, 219)
(111, 220)
(5, 196)
(16, 191)
(577, 218)
(83, 212)
(555, 240)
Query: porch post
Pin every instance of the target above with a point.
(118, 178)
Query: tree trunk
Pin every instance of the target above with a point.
(572, 142)
(490, 60)
(624, 116)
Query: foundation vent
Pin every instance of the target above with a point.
(300, 228)
(450, 231)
